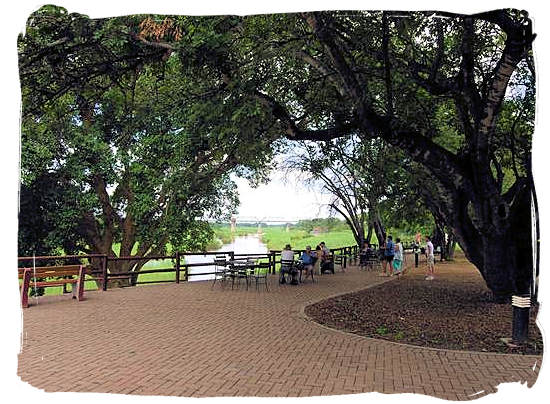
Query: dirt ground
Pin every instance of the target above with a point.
(453, 311)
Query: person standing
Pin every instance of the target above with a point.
(430, 259)
(398, 257)
(389, 252)
(418, 238)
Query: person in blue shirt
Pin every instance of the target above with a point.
(389, 252)
(308, 260)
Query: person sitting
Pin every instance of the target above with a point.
(325, 250)
(363, 255)
(317, 254)
(307, 260)
(326, 263)
(287, 263)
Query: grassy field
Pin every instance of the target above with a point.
(277, 237)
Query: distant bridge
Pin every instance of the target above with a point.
(265, 219)
(259, 220)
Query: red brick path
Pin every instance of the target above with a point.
(189, 340)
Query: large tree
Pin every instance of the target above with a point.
(387, 76)
(129, 163)
(395, 76)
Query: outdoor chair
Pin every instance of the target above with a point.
(220, 270)
(338, 259)
(259, 273)
(311, 271)
(352, 256)
(327, 266)
(368, 260)
(240, 272)
(372, 260)
(287, 266)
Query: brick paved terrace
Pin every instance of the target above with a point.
(189, 340)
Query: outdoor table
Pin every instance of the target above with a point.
(240, 268)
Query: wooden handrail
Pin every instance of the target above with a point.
(103, 273)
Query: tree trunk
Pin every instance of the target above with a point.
(502, 252)
(450, 247)
(369, 233)
(379, 229)
(438, 238)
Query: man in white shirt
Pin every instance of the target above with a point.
(287, 254)
(430, 259)
(286, 267)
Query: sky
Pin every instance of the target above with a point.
(276, 197)
(285, 196)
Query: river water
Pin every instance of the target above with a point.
(250, 244)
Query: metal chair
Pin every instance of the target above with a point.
(287, 266)
(308, 271)
(327, 265)
(371, 260)
(220, 270)
(258, 273)
(239, 272)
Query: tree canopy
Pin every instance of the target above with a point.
(453, 92)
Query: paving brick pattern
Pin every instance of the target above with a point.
(189, 340)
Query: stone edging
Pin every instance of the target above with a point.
(305, 317)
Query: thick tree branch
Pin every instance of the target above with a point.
(387, 64)
(321, 68)
(292, 130)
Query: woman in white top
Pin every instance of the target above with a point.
(398, 257)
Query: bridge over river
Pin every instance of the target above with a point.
(260, 220)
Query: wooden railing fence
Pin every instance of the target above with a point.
(100, 270)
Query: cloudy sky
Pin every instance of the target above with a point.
(285, 196)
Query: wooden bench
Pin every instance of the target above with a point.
(46, 273)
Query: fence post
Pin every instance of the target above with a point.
(177, 267)
(520, 323)
(104, 271)
(274, 262)
(186, 273)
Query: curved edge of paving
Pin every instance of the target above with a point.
(304, 316)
